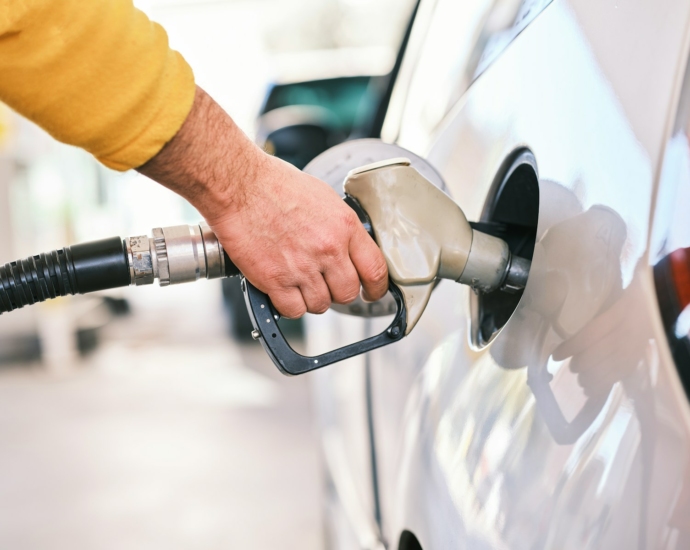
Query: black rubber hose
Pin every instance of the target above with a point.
(77, 269)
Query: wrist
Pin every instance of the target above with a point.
(210, 161)
(231, 185)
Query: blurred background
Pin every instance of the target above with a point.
(146, 418)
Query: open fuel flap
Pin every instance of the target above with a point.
(511, 213)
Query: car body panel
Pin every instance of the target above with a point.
(344, 426)
(506, 446)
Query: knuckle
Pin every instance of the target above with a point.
(293, 312)
(350, 297)
(376, 272)
(316, 295)
(329, 246)
(349, 219)
(347, 293)
(289, 308)
(319, 304)
(319, 309)
(277, 278)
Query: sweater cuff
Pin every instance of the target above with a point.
(174, 105)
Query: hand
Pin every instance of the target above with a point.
(296, 240)
(290, 234)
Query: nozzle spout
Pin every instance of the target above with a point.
(425, 236)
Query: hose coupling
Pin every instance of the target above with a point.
(177, 254)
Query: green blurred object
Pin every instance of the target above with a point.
(343, 96)
(301, 120)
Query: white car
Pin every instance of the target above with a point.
(557, 417)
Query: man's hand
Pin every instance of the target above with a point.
(297, 241)
(290, 234)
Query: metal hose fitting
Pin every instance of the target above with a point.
(177, 254)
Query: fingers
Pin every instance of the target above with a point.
(311, 297)
(340, 284)
(289, 302)
(316, 295)
(343, 282)
(370, 265)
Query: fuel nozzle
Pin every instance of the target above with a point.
(425, 236)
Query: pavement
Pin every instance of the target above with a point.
(169, 436)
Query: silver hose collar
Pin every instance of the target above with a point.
(487, 263)
(174, 255)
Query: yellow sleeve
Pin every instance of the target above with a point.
(97, 74)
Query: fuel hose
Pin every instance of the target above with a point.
(173, 255)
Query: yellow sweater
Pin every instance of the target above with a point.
(97, 74)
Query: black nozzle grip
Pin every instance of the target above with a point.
(231, 269)
(265, 318)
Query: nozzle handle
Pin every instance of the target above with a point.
(265, 319)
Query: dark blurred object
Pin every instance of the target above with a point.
(300, 120)
(90, 318)
(119, 307)
(17, 349)
(233, 298)
(342, 96)
(94, 317)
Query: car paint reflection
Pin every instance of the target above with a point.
(492, 423)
